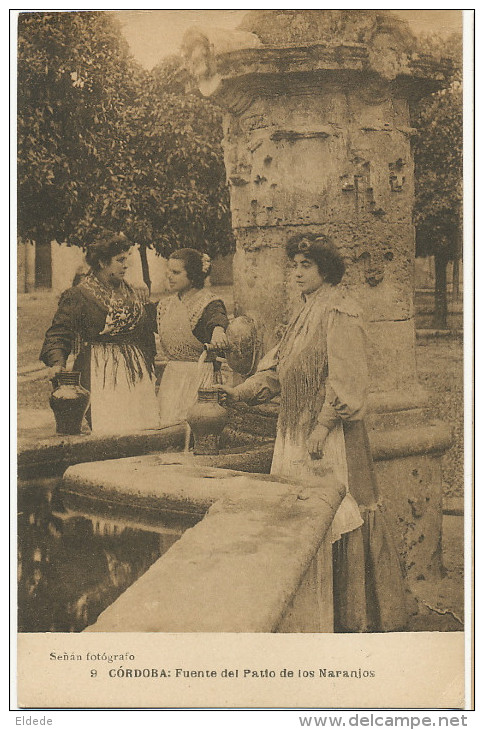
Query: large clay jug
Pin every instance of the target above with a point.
(69, 401)
(207, 419)
(243, 351)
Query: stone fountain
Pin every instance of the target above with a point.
(317, 137)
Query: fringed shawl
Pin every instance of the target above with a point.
(111, 356)
(303, 360)
(125, 311)
(124, 306)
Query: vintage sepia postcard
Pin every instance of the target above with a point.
(242, 263)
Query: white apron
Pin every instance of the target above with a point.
(300, 361)
(117, 404)
(183, 374)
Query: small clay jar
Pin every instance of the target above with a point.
(207, 419)
(69, 401)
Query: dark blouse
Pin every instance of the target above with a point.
(214, 315)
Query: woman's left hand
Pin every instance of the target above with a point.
(219, 338)
(316, 441)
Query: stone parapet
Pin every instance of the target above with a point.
(259, 561)
(41, 455)
(271, 68)
(173, 481)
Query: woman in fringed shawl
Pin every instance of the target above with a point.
(319, 369)
(190, 317)
(110, 327)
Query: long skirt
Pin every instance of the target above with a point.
(179, 388)
(368, 587)
(119, 405)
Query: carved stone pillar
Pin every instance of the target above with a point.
(317, 137)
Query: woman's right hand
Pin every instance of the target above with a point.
(230, 394)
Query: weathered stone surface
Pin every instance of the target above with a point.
(300, 159)
(318, 138)
(279, 27)
(411, 492)
(240, 568)
(40, 454)
(432, 438)
(175, 481)
(408, 470)
(310, 611)
(391, 355)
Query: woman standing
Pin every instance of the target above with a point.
(188, 318)
(319, 369)
(110, 327)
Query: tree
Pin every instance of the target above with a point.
(103, 143)
(74, 77)
(167, 187)
(438, 174)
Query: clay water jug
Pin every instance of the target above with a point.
(69, 401)
(244, 347)
(207, 419)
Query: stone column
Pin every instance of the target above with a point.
(317, 137)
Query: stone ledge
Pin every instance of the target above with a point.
(173, 481)
(397, 400)
(238, 569)
(407, 442)
(270, 69)
(429, 334)
(51, 455)
(323, 55)
(453, 506)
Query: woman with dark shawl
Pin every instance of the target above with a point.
(110, 328)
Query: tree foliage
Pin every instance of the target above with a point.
(438, 173)
(74, 77)
(102, 143)
(438, 160)
(168, 184)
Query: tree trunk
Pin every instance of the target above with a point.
(456, 279)
(458, 257)
(30, 265)
(43, 265)
(440, 300)
(144, 266)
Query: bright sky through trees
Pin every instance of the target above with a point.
(153, 34)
